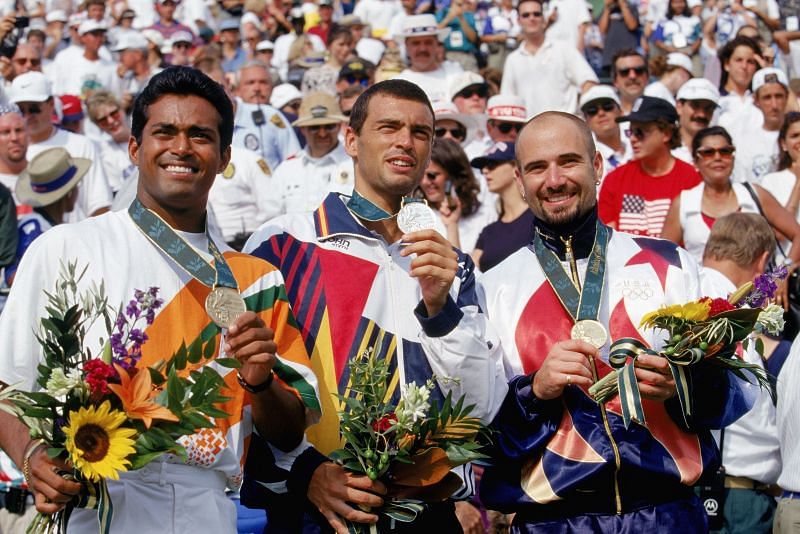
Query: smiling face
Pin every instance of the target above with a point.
(715, 167)
(792, 142)
(179, 154)
(393, 148)
(434, 183)
(556, 171)
(695, 114)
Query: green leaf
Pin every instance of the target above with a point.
(210, 348)
(156, 377)
(195, 351)
(231, 363)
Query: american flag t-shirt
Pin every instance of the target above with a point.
(643, 217)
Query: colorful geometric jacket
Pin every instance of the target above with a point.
(350, 290)
(570, 449)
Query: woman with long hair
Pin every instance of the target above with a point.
(785, 183)
(450, 187)
(693, 213)
(323, 78)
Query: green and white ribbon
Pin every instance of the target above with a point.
(398, 510)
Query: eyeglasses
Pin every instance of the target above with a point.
(639, 133)
(34, 62)
(456, 133)
(506, 127)
(361, 80)
(181, 45)
(725, 152)
(638, 70)
(105, 118)
(469, 92)
(534, 14)
(326, 127)
(30, 110)
(593, 109)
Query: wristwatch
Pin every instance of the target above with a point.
(255, 389)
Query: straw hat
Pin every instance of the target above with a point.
(318, 109)
(49, 177)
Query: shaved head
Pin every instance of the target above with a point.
(547, 118)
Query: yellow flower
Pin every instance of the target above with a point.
(96, 444)
(691, 311)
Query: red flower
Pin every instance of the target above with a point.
(384, 423)
(718, 306)
(97, 375)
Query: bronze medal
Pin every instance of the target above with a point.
(224, 305)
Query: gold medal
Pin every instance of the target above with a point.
(224, 305)
(415, 216)
(592, 332)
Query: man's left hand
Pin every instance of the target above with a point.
(654, 377)
(250, 341)
(434, 267)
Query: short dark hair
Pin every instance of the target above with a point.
(337, 32)
(674, 132)
(184, 81)
(624, 52)
(785, 159)
(401, 89)
(709, 132)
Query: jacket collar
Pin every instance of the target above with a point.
(582, 232)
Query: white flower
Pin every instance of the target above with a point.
(771, 320)
(59, 384)
(415, 403)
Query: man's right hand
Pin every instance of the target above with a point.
(332, 489)
(51, 491)
(567, 363)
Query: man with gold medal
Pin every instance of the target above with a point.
(369, 272)
(180, 140)
(563, 463)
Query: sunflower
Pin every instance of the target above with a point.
(695, 311)
(97, 446)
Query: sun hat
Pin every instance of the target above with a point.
(50, 175)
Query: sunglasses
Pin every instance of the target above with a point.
(30, 110)
(361, 80)
(34, 62)
(725, 152)
(456, 133)
(593, 109)
(431, 175)
(326, 127)
(181, 45)
(506, 127)
(469, 92)
(105, 118)
(347, 112)
(638, 70)
(529, 14)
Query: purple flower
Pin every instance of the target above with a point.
(764, 287)
(121, 322)
(132, 310)
(137, 336)
(117, 345)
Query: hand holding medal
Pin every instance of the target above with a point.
(251, 341)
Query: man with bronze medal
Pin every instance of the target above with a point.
(370, 272)
(563, 462)
(181, 135)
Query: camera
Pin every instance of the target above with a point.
(21, 22)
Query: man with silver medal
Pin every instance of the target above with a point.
(563, 462)
(373, 260)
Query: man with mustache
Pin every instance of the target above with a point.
(562, 462)
(697, 100)
(629, 76)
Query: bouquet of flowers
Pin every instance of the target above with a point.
(703, 330)
(411, 447)
(104, 413)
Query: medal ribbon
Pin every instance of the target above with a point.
(584, 304)
(367, 210)
(173, 245)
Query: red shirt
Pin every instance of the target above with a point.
(637, 202)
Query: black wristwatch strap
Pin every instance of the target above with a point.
(255, 389)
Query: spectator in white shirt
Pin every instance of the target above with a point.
(697, 101)
(87, 72)
(672, 72)
(107, 113)
(740, 58)
(548, 74)
(600, 107)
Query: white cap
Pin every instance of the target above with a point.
(507, 108)
(251, 18)
(599, 92)
(130, 40)
(698, 89)
(154, 36)
(57, 15)
(266, 44)
(371, 50)
(283, 94)
(464, 80)
(76, 18)
(420, 25)
(91, 25)
(30, 87)
(769, 75)
(448, 111)
(676, 59)
(181, 37)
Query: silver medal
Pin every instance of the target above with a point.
(415, 216)
(224, 305)
(592, 332)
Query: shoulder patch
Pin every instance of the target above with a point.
(277, 121)
(229, 171)
(264, 167)
(251, 142)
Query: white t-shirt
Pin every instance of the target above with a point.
(80, 75)
(378, 14)
(116, 163)
(659, 90)
(738, 112)
(757, 153)
(94, 192)
(571, 15)
(435, 83)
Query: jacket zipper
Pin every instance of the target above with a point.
(573, 267)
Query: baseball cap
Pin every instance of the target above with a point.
(499, 152)
(650, 109)
(356, 67)
(127, 14)
(598, 92)
(351, 20)
(698, 89)
(769, 75)
(264, 45)
(76, 18)
(91, 25)
(324, 3)
(130, 40)
(181, 37)
(318, 109)
(228, 25)
(464, 80)
(677, 59)
(154, 36)
(57, 15)
(507, 108)
(283, 94)
(71, 109)
(30, 87)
